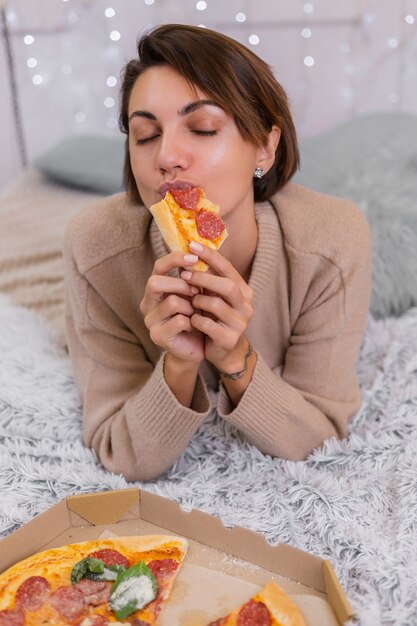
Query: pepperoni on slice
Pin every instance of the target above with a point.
(68, 602)
(187, 198)
(254, 613)
(209, 225)
(110, 557)
(12, 617)
(95, 592)
(163, 568)
(32, 593)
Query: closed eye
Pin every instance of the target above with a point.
(207, 133)
(142, 141)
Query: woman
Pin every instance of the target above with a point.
(276, 323)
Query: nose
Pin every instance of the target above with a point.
(172, 153)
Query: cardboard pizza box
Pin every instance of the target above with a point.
(223, 566)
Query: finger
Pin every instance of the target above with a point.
(220, 311)
(215, 261)
(221, 335)
(158, 287)
(172, 305)
(219, 285)
(173, 260)
(163, 334)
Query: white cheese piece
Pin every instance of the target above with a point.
(138, 589)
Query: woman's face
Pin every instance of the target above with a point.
(179, 137)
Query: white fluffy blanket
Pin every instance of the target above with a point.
(354, 502)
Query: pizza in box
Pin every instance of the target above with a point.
(111, 582)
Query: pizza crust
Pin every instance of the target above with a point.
(280, 605)
(178, 226)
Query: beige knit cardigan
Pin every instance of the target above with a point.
(311, 277)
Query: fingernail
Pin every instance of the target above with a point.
(190, 258)
(186, 275)
(197, 247)
(195, 290)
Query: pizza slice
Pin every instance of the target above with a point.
(269, 607)
(93, 583)
(186, 215)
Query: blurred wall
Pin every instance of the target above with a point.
(336, 58)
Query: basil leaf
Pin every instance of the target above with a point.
(127, 610)
(110, 573)
(89, 564)
(139, 569)
(126, 593)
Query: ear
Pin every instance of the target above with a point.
(266, 153)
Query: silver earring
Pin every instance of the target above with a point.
(258, 173)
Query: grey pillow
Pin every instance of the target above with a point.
(91, 162)
(372, 160)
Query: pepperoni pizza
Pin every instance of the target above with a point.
(125, 580)
(269, 607)
(185, 215)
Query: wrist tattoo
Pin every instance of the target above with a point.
(240, 373)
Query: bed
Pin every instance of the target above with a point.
(353, 501)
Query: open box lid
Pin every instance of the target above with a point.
(135, 511)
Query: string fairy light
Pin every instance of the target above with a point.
(393, 42)
(111, 81)
(254, 39)
(109, 103)
(360, 47)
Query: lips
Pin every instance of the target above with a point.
(175, 184)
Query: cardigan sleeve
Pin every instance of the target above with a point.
(131, 418)
(289, 410)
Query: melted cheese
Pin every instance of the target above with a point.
(137, 589)
(185, 220)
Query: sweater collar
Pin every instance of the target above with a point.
(266, 255)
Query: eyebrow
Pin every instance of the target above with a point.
(188, 108)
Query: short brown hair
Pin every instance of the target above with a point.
(232, 76)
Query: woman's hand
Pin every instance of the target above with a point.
(167, 310)
(226, 308)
